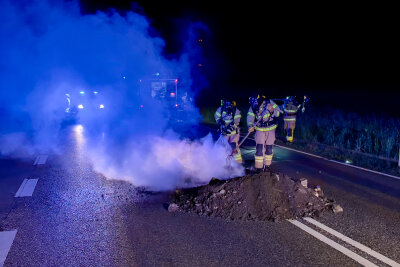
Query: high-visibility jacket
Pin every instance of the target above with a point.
(266, 120)
(228, 118)
(290, 112)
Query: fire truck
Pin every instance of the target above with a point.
(170, 92)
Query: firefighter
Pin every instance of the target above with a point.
(290, 110)
(228, 118)
(262, 117)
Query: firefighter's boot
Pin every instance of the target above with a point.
(287, 134)
(269, 154)
(238, 156)
(291, 135)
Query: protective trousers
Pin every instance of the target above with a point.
(233, 142)
(264, 150)
(290, 124)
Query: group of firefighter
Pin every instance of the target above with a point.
(262, 118)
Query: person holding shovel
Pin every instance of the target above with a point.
(261, 117)
(228, 118)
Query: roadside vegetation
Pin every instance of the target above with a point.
(370, 141)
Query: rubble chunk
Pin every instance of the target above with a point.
(173, 207)
(304, 182)
(337, 208)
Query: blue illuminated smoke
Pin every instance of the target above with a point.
(49, 49)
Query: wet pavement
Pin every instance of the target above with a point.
(76, 217)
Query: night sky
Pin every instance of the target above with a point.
(314, 49)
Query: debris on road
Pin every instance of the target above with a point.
(304, 182)
(173, 207)
(259, 197)
(318, 192)
(337, 208)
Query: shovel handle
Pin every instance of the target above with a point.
(247, 135)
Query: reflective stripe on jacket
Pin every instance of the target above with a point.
(252, 118)
(228, 118)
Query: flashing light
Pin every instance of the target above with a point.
(95, 92)
(200, 40)
(141, 106)
(82, 92)
(124, 77)
(80, 106)
(101, 106)
(348, 161)
(200, 65)
(176, 105)
(172, 94)
(176, 80)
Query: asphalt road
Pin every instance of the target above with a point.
(76, 217)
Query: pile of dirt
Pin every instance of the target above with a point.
(264, 196)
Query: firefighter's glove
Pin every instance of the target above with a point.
(230, 128)
(251, 129)
(223, 129)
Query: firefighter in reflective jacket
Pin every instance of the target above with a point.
(262, 118)
(290, 111)
(228, 118)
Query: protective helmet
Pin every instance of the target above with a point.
(228, 105)
(290, 98)
(255, 101)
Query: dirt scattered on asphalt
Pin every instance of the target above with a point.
(259, 197)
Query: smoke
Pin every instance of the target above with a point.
(169, 162)
(52, 54)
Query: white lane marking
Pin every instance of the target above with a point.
(300, 151)
(40, 160)
(331, 160)
(333, 244)
(27, 187)
(361, 168)
(353, 242)
(6, 240)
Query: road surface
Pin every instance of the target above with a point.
(73, 216)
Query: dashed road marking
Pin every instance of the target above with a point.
(6, 240)
(27, 187)
(333, 244)
(40, 160)
(353, 243)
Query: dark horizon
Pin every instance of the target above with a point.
(286, 50)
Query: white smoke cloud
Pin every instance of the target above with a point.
(168, 163)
